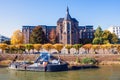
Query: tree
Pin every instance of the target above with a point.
(17, 37)
(87, 47)
(3, 47)
(98, 32)
(98, 36)
(20, 48)
(77, 47)
(52, 36)
(29, 47)
(98, 40)
(38, 36)
(95, 47)
(12, 49)
(58, 47)
(37, 47)
(68, 46)
(47, 47)
(107, 36)
(114, 38)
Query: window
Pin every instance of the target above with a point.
(91, 36)
(88, 36)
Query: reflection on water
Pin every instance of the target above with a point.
(103, 73)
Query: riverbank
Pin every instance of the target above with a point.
(103, 59)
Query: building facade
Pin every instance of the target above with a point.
(68, 30)
(115, 29)
(27, 30)
(3, 38)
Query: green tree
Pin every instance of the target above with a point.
(77, 47)
(114, 38)
(98, 36)
(20, 48)
(38, 36)
(98, 33)
(12, 49)
(107, 36)
(68, 46)
(29, 47)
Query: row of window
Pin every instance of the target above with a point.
(116, 31)
(87, 36)
(116, 27)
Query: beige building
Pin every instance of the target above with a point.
(67, 29)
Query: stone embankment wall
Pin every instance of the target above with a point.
(68, 58)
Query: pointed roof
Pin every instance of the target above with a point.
(67, 17)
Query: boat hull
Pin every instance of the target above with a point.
(49, 67)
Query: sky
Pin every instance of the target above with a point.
(16, 13)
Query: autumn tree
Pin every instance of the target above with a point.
(12, 49)
(38, 36)
(95, 47)
(52, 36)
(87, 47)
(37, 46)
(58, 47)
(17, 37)
(47, 47)
(3, 47)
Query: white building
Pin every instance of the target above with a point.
(115, 29)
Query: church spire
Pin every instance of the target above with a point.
(67, 17)
(67, 10)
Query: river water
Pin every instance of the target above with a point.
(103, 73)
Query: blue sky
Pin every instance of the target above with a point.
(16, 13)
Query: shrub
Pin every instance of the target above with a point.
(89, 61)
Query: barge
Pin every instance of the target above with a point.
(45, 62)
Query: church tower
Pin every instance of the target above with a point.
(67, 29)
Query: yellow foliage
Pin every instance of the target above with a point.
(47, 46)
(17, 37)
(95, 47)
(58, 47)
(37, 46)
(68, 46)
(3, 46)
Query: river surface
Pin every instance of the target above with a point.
(103, 73)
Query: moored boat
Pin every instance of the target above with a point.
(45, 62)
